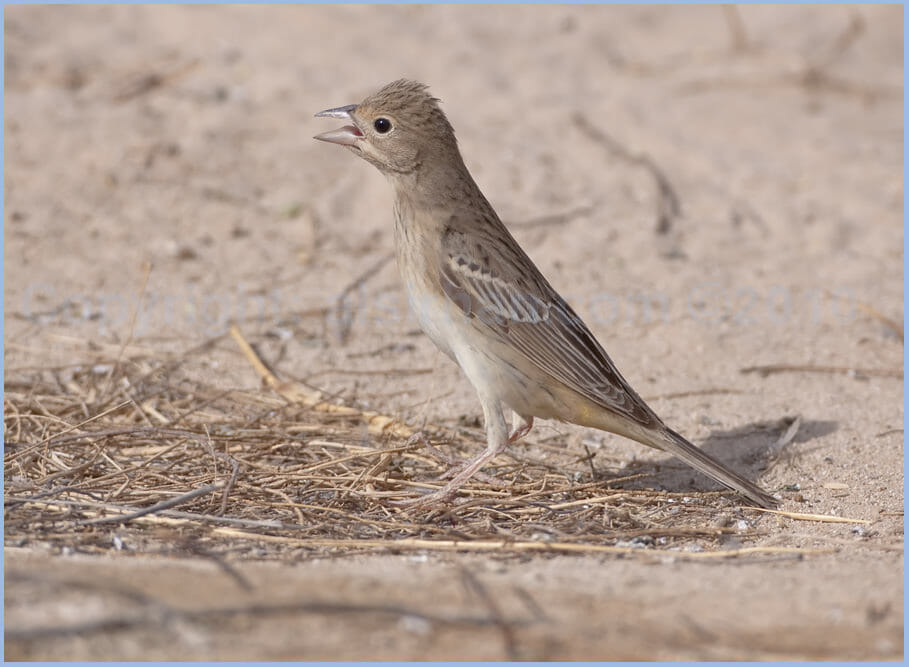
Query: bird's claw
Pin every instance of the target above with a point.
(437, 500)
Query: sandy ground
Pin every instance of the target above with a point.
(181, 137)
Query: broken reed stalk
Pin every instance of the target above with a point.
(304, 476)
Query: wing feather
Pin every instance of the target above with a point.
(530, 316)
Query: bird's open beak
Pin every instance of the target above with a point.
(347, 135)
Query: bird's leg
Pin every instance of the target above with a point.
(455, 465)
(496, 442)
(520, 427)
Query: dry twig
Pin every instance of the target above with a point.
(669, 207)
(284, 478)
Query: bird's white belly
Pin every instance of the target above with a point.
(495, 370)
(488, 366)
(435, 316)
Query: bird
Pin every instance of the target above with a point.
(484, 303)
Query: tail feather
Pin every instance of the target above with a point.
(678, 446)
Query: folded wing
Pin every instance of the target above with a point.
(528, 314)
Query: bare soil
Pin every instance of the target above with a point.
(718, 192)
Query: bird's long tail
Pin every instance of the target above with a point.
(673, 443)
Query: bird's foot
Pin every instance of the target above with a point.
(418, 437)
(444, 498)
(437, 500)
(521, 428)
(456, 465)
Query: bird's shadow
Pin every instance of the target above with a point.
(748, 450)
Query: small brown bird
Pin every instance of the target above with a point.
(484, 303)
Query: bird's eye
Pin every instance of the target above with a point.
(382, 125)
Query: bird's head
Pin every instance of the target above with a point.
(399, 129)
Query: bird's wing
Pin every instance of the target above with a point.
(507, 296)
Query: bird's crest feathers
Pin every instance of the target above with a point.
(408, 102)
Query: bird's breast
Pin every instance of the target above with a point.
(417, 257)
